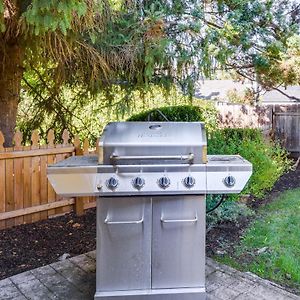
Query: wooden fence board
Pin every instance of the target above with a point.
(35, 209)
(35, 152)
(18, 187)
(27, 184)
(50, 191)
(286, 124)
(281, 122)
(2, 190)
(44, 183)
(35, 176)
(58, 157)
(18, 178)
(9, 189)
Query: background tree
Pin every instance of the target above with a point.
(42, 34)
(90, 46)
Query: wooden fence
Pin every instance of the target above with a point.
(25, 194)
(286, 126)
(280, 122)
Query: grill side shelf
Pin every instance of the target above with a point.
(222, 169)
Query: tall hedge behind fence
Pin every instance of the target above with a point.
(25, 194)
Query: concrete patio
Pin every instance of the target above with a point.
(74, 279)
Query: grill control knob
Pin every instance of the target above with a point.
(164, 182)
(229, 181)
(112, 183)
(138, 182)
(189, 181)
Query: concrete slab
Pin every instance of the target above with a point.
(9, 292)
(33, 289)
(84, 262)
(74, 279)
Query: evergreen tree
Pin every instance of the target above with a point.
(93, 45)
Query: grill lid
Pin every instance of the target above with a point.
(153, 142)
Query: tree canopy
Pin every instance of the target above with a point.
(96, 45)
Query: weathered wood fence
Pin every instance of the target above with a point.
(25, 194)
(286, 126)
(280, 122)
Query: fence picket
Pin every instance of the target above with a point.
(9, 188)
(35, 175)
(43, 183)
(51, 196)
(18, 177)
(27, 184)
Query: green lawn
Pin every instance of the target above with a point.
(271, 246)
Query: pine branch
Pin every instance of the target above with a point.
(286, 95)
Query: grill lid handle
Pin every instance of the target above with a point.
(188, 157)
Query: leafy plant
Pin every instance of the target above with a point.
(269, 160)
(229, 211)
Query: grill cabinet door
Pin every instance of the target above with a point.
(178, 250)
(123, 244)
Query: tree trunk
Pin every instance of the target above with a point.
(11, 73)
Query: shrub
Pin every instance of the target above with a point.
(229, 211)
(205, 112)
(268, 159)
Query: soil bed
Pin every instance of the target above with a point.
(29, 246)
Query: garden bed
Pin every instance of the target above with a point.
(29, 246)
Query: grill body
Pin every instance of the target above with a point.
(151, 247)
(150, 180)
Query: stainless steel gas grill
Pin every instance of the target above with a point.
(150, 179)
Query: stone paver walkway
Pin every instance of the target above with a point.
(74, 279)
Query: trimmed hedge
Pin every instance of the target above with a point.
(182, 113)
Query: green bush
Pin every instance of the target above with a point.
(205, 112)
(268, 159)
(229, 211)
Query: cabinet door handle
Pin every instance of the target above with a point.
(108, 222)
(179, 220)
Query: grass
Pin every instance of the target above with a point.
(271, 245)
